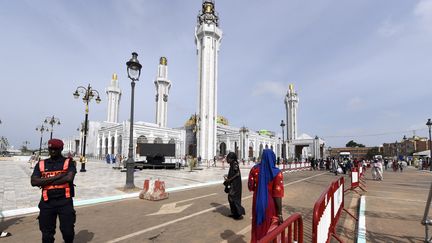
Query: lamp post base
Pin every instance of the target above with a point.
(83, 169)
(130, 168)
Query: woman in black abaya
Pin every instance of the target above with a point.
(234, 184)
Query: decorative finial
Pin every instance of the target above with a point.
(208, 7)
(163, 61)
(291, 87)
(114, 76)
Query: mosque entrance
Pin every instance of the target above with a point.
(222, 148)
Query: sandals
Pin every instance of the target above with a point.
(5, 234)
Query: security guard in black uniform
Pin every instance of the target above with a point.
(55, 177)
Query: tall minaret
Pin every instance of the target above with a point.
(163, 85)
(114, 94)
(291, 104)
(207, 38)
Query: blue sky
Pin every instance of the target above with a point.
(360, 67)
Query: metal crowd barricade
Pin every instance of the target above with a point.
(327, 211)
(291, 230)
(355, 181)
(426, 221)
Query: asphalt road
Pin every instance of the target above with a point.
(198, 215)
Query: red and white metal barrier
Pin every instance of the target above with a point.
(291, 230)
(355, 180)
(296, 166)
(327, 211)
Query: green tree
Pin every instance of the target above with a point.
(352, 144)
(372, 152)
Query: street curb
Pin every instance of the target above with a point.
(361, 229)
(31, 210)
(85, 202)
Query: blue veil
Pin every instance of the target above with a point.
(267, 171)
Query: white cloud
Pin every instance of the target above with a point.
(391, 114)
(355, 104)
(418, 126)
(270, 88)
(389, 28)
(423, 10)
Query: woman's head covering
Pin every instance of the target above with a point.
(267, 171)
(232, 155)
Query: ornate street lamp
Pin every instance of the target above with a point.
(283, 140)
(429, 124)
(52, 121)
(41, 129)
(88, 94)
(134, 72)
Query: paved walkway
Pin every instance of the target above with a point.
(395, 206)
(100, 181)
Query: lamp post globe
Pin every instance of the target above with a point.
(429, 124)
(134, 72)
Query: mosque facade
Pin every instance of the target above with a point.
(204, 134)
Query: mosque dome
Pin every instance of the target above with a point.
(192, 120)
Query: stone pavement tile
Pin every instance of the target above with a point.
(395, 206)
(100, 180)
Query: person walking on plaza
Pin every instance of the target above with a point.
(266, 182)
(55, 176)
(33, 159)
(379, 170)
(234, 183)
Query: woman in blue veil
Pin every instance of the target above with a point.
(266, 181)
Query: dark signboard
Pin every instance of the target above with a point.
(152, 149)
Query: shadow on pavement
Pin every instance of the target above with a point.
(84, 236)
(5, 224)
(393, 216)
(231, 236)
(224, 210)
(379, 237)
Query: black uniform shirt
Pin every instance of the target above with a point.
(55, 165)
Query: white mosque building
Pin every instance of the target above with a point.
(205, 134)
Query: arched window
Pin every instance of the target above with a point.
(172, 140)
(222, 148)
(119, 144)
(112, 145)
(100, 148)
(106, 145)
(158, 140)
(142, 139)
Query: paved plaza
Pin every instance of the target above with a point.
(393, 210)
(100, 181)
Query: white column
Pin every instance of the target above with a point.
(113, 94)
(162, 85)
(207, 38)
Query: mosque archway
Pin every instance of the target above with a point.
(112, 145)
(271, 147)
(119, 145)
(106, 146)
(222, 148)
(100, 148)
(142, 139)
(260, 150)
